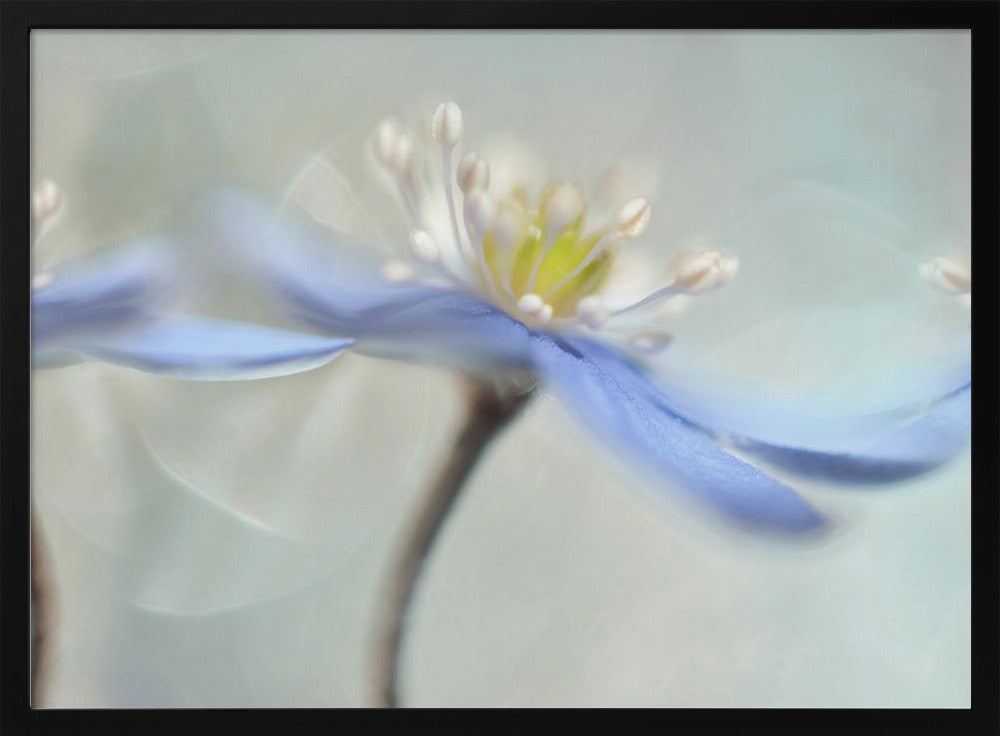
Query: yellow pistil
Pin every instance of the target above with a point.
(550, 257)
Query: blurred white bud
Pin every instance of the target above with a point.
(480, 211)
(384, 142)
(403, 155)
(473, 173)
(446, 125)
(633, 217)
(705, 271)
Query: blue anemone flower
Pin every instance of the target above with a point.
(112, 308)
(502, 284)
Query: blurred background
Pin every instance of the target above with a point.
(220, 545)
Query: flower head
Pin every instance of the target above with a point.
(498, 281)
(541, 259)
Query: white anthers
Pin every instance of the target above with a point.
(705, 271)
(45, 202)
(534, 251)
(398, 272)
(423, 246)
(592, 311)
(633, 217)
(473, 173)
(564, 207)
(480, 211)
(446, 125)
(530, 304)
(404, 153)
(384, 142)
(948, 275)
(41, 280)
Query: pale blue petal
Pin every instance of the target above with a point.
(604, 393)
(930, 437)
(865, 448)
(102, 292)
(317, 274)
(338, 288)
(209, 350)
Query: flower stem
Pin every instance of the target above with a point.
(490, 409)
(41, 607)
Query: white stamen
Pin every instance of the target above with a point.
(592, 311)
(706, 271)
(398, 272)
(403, 156)
(473, 173)
(633, 217)
(668, 291)
(599, 247)
(651, 342)
(384, 142)
(544, 315)
(948, 275)
(530, 304)
(41, 280)
(446, 124)
(534, 232)
(480, 211)
(424, 247)
(564, 207)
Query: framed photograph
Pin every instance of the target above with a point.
(450, 357)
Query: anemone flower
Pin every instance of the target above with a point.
(516, 289)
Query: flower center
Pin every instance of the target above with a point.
(538, 260)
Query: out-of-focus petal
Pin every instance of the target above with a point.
(323, 278)
(865, 448)
(928, 438)
(340, 289)
(103, 292)
(608, 396)
(209, 350)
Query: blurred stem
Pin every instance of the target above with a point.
(490, 408)
(41, 607)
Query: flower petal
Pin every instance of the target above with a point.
(867, 448)
(209, 350)
(609, 396)
(917, 445)
(102, 292)
(338, 288)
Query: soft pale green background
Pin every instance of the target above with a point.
(220, 544)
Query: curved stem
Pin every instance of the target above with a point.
(489, 411)
(41, 606)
